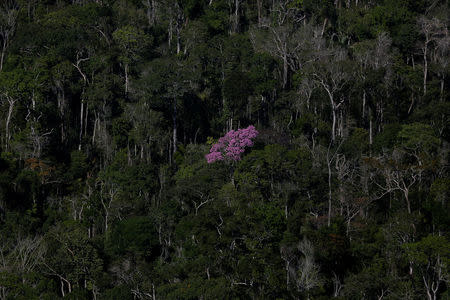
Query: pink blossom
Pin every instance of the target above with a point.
(214, 156)
(231, 146)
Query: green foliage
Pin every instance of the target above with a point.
(136, 235)
(215, 17)
(387, 139)
(236, 91)
(73, 255)
(132, 41)
(418, 137)
(429, 249)
(357, 143)
(78, 165)
(121, 292)
(96, 202)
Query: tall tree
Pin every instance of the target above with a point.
(331, 73)
(9, 11)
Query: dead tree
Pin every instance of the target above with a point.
(8, 20)
(432, 31)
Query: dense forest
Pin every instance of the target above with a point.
(224, 149)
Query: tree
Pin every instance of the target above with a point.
(15, 88)
(283, 38)
(232, 145)
(398, 176)
(342, 192)
(419, 141)
(308, 271)
(235, 15)
(74, 260)
(332, 75)
(373, 57)
(167, 82)
(9, 11)
(151, 8)
(330, 158)
(133, 42)
(433, 31)
(20, 262)
(431, 256)
(404, 167)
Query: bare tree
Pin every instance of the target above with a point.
(259, 8)
(176, 18)
(397, 176)
(8, 18)
(151, 7)
(330, 158)
(11, 100)
(282, 37)
(22, 257)
(235, 9)
(441, 57)
(434, 274)
(351, 204)
(432, 30)
(107, 198)
(204, 199)
(331, 75)
(77, 65)
(28, 254)
(373, 55)
(308, 271)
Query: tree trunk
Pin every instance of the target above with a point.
(126, 79)
(81, 123)
(8, 121)
(408, 204)
(95, 127)
(287, 274)
(236, 16)
(333, 127)
(324, 26)
(425, 68)
(107, 207)
(329, 187)
(285, 69)
(364, 105)
(86, 120)
(259, 9)
(62, 288)
(428, 290)
(370, 128)
(150, 11)
(2, 56)
(174, 117)
(178, 39)
(170, 33)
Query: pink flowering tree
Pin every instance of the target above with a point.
(232, 145)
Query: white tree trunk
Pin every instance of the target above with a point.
(425, 68)
(333, 126)
(81, 124)
(11, 103)
(174, 133)
(126, 79)
(329, 187)
(2, 56)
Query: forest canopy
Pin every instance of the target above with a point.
(224, 149)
